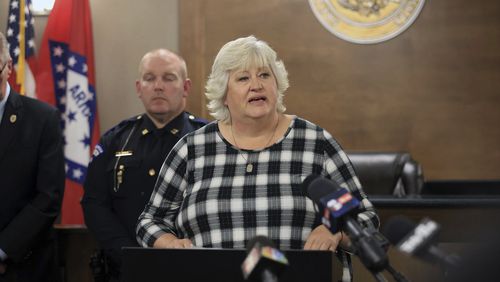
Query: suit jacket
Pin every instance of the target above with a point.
(31, 181)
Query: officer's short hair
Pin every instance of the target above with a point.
(166, 52)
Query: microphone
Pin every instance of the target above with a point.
(418, 240)
(333, 201)
(338, 206)
(264, 262)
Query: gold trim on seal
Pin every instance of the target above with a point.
(366, 21)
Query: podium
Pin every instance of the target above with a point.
(221, 265)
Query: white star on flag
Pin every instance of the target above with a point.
(58, 51)
(60, 68)
(14, 4)
(61, 84)
(71, 61)
(77, 173)
(89, 95)
(12, 18)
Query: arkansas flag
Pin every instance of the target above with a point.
(21, 39)
(66, 79)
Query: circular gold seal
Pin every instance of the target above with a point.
(366, 21)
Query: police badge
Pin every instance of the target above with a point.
(366, 21)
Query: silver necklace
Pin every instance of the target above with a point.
(249, 167)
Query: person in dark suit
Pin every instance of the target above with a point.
(32, 182)
(126, 161)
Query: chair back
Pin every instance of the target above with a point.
(388, 173)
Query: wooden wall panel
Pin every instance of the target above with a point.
(434, 90)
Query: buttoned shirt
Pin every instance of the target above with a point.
(2, 110)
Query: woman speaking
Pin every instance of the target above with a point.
(241, 175)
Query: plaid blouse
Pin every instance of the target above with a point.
(205, 193)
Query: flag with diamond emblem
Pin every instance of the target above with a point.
(66, 79)
(21, 39)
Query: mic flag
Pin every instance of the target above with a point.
(264, 262)
(420, 237)
(333, 201)
(418, 240)
(338, 207)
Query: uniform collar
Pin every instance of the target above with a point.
(174, 127)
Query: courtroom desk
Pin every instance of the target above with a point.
(75, 245)
(415, 270)
(462, 218)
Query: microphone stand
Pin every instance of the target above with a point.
(398, 276)
(370, 247)
(268, 276)
(379, 277)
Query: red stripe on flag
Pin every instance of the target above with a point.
(71, 211)
(58, 28)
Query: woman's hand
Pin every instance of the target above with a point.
(322, 239)
(169, 241)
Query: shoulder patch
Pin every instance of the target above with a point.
(98, 149)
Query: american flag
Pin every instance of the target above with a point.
(21, 40)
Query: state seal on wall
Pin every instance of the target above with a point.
(366, 21)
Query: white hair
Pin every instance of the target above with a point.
(4, 49)
(241, 54)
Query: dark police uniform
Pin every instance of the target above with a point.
(122, 175)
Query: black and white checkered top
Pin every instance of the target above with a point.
(205, 193)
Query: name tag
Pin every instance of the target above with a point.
(123, 153)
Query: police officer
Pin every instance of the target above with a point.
(125, 163)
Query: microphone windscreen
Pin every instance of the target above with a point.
(397, 228)
(262, 240)
(320, 187)
(307, 182)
